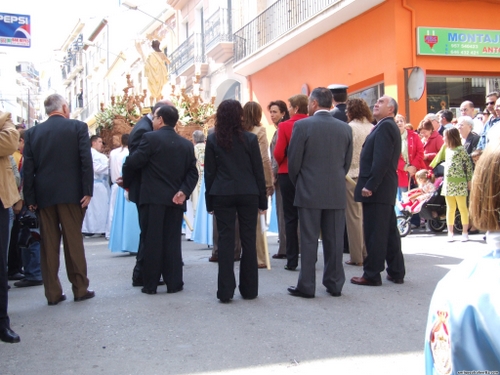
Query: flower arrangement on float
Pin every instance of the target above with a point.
(119, 117)
(194, 113)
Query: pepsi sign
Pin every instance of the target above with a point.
(15, 30)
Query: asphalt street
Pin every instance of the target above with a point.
(123, 331)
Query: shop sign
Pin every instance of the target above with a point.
(15, 30)
(458, 42)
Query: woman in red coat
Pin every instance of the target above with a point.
(411, 158)
(298, 110)
(432, 141)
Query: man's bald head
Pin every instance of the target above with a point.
(161, 103)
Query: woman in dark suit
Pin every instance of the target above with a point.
(235, 184)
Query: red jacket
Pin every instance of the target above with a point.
(432, 147)
(284, 134)
(415, 158)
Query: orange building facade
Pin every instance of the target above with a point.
(370, 52)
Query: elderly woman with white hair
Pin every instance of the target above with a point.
(468, 137)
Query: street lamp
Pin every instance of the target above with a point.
(132, 6)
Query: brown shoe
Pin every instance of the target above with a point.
(362, 281)
(213, 259)
(262, 265)
(90, 294)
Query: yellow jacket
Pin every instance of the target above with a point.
(9, 138)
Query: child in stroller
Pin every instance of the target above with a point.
(426, 200)
(416, 198)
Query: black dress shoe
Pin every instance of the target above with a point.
(8, 335)
(90, 294)
(390, 278)
(279, 256)
(363, 281)
(297, 293)
(248, 297)
(334, 294)
(147, 291)
(62, 298)
(141, 283)
(288, 268)
(175, 290)
(25, 283)
(225, 300)
(16, 276)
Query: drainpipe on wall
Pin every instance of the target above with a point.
(413, 37)
(250, 88)
(413, 56)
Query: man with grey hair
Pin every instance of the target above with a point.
(59, 182)
(469, 138)
(376, 189)
(319, 157)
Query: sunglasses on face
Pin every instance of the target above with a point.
(490, 103)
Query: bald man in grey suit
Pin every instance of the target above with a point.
(319, 157)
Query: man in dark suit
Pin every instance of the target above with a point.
(319, 157)
(339, 97)
(59, 182)
(376, 189)
(133, 182)
(339, 111)
(169, 175)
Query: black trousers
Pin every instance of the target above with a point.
(225, 209)
(383, 242)
(137, 272)
(4, 245)
(162, 254)
(291, 220)
(15, 260)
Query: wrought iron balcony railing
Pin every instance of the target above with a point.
(274, 22)
(190, 52)
(218, 28)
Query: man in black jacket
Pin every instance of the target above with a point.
(132, 181)
(59, 182)
(376, 189)
(169, 175)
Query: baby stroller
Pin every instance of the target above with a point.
(434, 212)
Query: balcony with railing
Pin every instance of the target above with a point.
(189, 54)
(218, 36)
(288, 25)
(73, 64)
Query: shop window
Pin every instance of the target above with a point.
(450, 92)
(370, 95)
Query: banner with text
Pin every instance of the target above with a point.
(15, 30)
(458, 42)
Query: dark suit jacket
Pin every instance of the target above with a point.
(168, 165)
(471, 142)
(379, 162)
(319, 157)
(237, 172)
(339, 112)
(57, 163)
(132, 180)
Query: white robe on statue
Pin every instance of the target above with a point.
(97, 211)
(116, 157)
